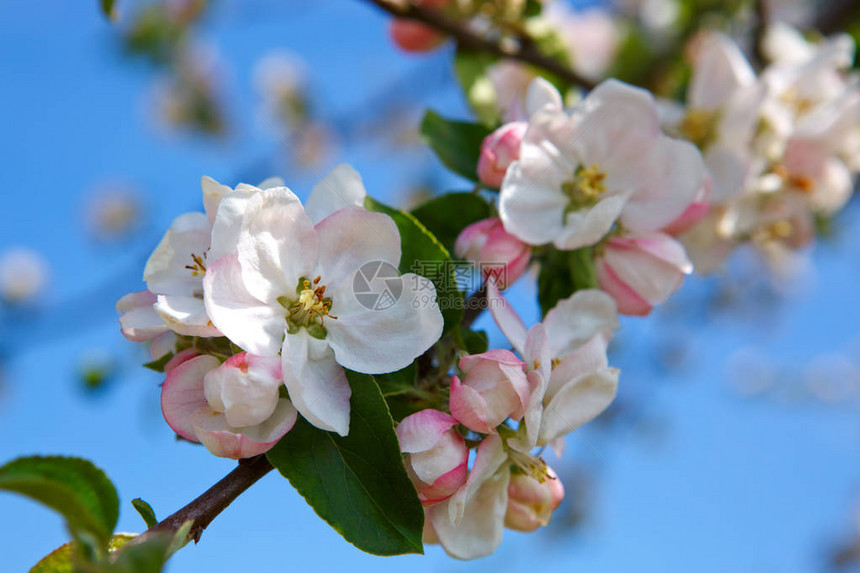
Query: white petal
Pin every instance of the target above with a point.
(182, 394)
(138, 320)
(585, 227)
(541, 94)
(277, 244)
(317, 385)
(479, 533)
(185, 315)
(506, 318)
(213, 194)
(575, 320)
(351, 238)
(578, 402)
(165, 271)
(491, 456)
(388, 339)
(341, 187)
(254, 326)
(720, 70)
(669, 175)
(227, 225)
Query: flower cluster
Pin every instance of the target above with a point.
(781, 147)
(256, 308)
(250, 307)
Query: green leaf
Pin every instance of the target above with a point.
(471, 67)
(356, 483)
(146, 557)
(61, 559)
(472, 341)
(533, 8)
(109, 8)
(159, 364)
(146, 512)
(564, 272)
(447, 215)
(74, 487)
(423, 254)
(457, 143)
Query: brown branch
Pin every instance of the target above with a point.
(214, 500)
(475, 305)
(762, 20)
(522, 51)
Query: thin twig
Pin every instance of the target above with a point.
(522, 51)
(762, 20)
(214, 500)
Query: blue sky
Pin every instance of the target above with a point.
(719, 484)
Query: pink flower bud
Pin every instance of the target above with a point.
(438, 456)
(498, 151)
(500, 254)
(413, 36)
(531, 502)
(494, 387)
(641, 271)
(233, 408)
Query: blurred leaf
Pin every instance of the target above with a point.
(533, 8)
(74, 487)
(147, 557)
(471, 67)
(356, 483)
(447, 215)
(564, 272)
(457, 143)
(146, 512)
(109, 9)
(60, 559)
(423, 254)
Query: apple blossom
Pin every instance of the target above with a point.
(174, 271)
(721, 114)
(531, 501)
(233, 408)
(498, 150)
(23, 275)
(288, 290)
(470, 523)
(493, 388)
(437, 455)
(578, 174)
(592, 37)
(641, 271)
(495, 251)
(570, 381)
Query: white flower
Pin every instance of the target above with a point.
(578, 174)
(570, 379)
(470, 523)
(174, 271)
(289, 289)
(23, 275)
(723, 105)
